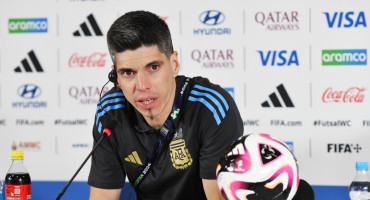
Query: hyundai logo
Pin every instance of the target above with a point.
(212, 17)
(29, 91)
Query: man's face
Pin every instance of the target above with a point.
(147, 78)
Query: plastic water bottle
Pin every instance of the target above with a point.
(359, 188)
(17, 180)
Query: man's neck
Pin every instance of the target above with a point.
(155, 123)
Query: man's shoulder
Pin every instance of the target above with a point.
(113, 99)
(110, 106)
(206, 83)
(111, 92)
(209, 99)
(203, 86)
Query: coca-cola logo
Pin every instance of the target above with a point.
(214, 58)
(351, 95)
(96, 59)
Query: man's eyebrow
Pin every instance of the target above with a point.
(155, 62)
(123, 69)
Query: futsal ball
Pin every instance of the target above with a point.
(256, 167)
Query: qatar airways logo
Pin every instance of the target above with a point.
(96, 59)
(214, 58)
(278, 20)
(86, 95)
(351, 95)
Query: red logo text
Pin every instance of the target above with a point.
(94, 60)
(351, 95)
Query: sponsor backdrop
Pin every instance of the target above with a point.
(297, 70)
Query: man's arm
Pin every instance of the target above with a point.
(104, 194)
(211, 189)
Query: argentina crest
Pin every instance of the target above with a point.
(180, 156)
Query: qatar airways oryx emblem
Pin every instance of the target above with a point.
(180, 156)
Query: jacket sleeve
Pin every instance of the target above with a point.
(218, 130)
(106, 168)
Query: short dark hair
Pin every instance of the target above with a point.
(136, 29)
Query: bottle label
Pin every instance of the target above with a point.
(360, 195)
(18, 192)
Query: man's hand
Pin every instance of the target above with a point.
(211, 189)
(104, 194)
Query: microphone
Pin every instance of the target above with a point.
(106, 133)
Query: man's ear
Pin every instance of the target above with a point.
(113, 76)
(175, 64)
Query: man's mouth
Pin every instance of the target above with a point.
(147, 101)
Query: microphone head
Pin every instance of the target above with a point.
(107, 131)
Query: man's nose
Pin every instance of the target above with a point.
(142, 82)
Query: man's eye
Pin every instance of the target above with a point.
(154, 67)
(127, 73)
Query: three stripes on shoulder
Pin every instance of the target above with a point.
(212, 99)
(108, 103)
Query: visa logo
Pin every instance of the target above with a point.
(346, 20)
(344, 57)
(279, 58)
(35, 25)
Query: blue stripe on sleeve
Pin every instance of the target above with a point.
(118, 94)
(209, 106)
(214, 92)
(100, 126)
(214, 100)
(116, 100)
(101, 113)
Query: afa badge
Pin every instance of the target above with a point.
(180, 156)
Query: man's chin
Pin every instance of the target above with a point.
(148, 113)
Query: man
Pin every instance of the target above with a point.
(168, 131)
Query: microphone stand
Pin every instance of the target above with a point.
(87, 158)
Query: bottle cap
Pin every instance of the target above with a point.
(17, 155)
(362, 165)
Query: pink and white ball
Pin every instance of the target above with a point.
(258, 166)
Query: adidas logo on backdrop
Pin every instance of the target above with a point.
(89, 27)
(276, 98)
(25, 64)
